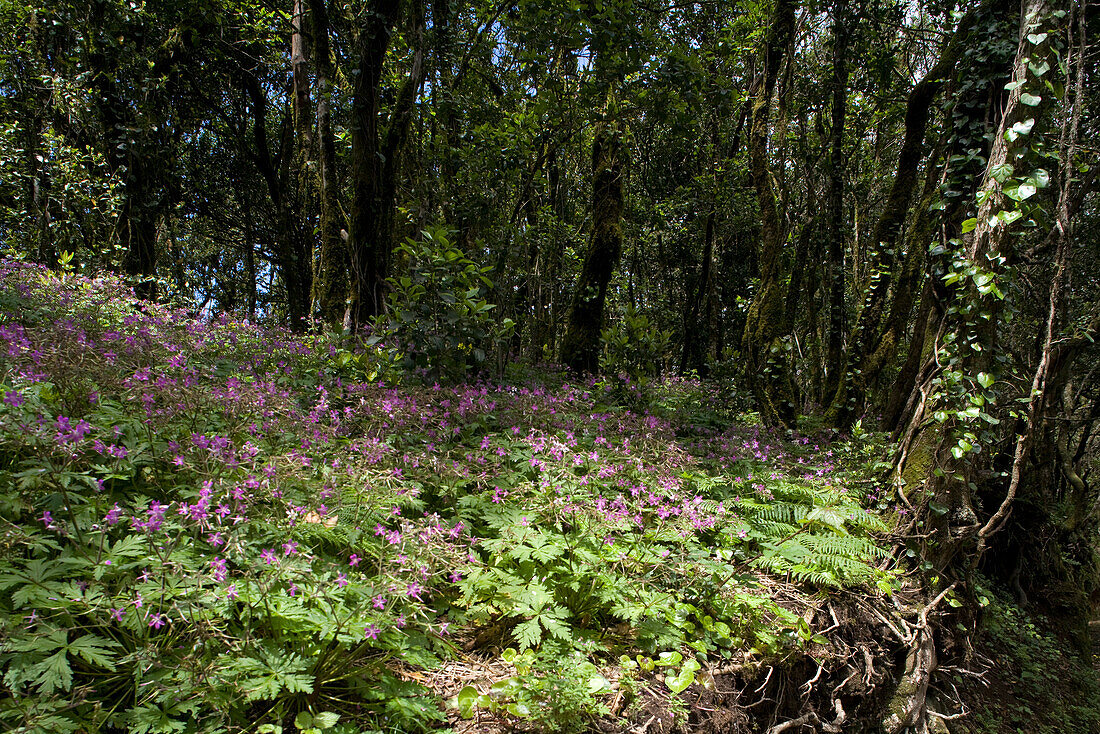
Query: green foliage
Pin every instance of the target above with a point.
(439, 321)
(633, 356)
(218, 526)
(170, 565)
(553, 690)
(1020, 694)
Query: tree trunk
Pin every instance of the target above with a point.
(866, 358)
(580, 349)
(374, 158)
(762, 347)
(331, 280)
(834, 224)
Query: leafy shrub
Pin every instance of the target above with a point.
(439, 320)
(634, 351)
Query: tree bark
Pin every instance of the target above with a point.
(581, 346)
(834, 226)
(766, 324)
(374, 157)
(331, 281)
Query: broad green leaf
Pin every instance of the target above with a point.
(1031, 100)
(1023, 128)
(1039, 69)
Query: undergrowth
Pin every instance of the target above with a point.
(223, 527)
(1020, 693)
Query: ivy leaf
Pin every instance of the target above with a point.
(1039, 69)
(1036, 38)
(1031, 100)
(1025, 191)
(1023, 128)
(985, 379)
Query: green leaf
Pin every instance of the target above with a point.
(969, 225)
(1031, 100)
(53, 673)
(1039, 69)
(94, 650)
(1025, 191)
(1036, 38)
(1022, 128)
(519, 710)
(466, 702)
(528, 634)
(985, 379)
(1001, 173)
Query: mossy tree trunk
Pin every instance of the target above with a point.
(767, 323)
(874, 337)
(332, 263)
(580, 349)
(941, 472)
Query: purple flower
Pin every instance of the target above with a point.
(290, 548)
(46, 519)
(341, 580)
(371, 632)
(414, 591)
(379, 602)
(231, 591)
(156, 621)
(354, 560)
(113, 514)
(13, 398)
(268, 555)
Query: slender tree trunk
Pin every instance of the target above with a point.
(766, 324)
(580, 349)
(835, 231)
(331, 281)
(138, 227)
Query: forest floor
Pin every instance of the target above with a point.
(223, 527)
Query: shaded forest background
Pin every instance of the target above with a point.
(856, 212)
